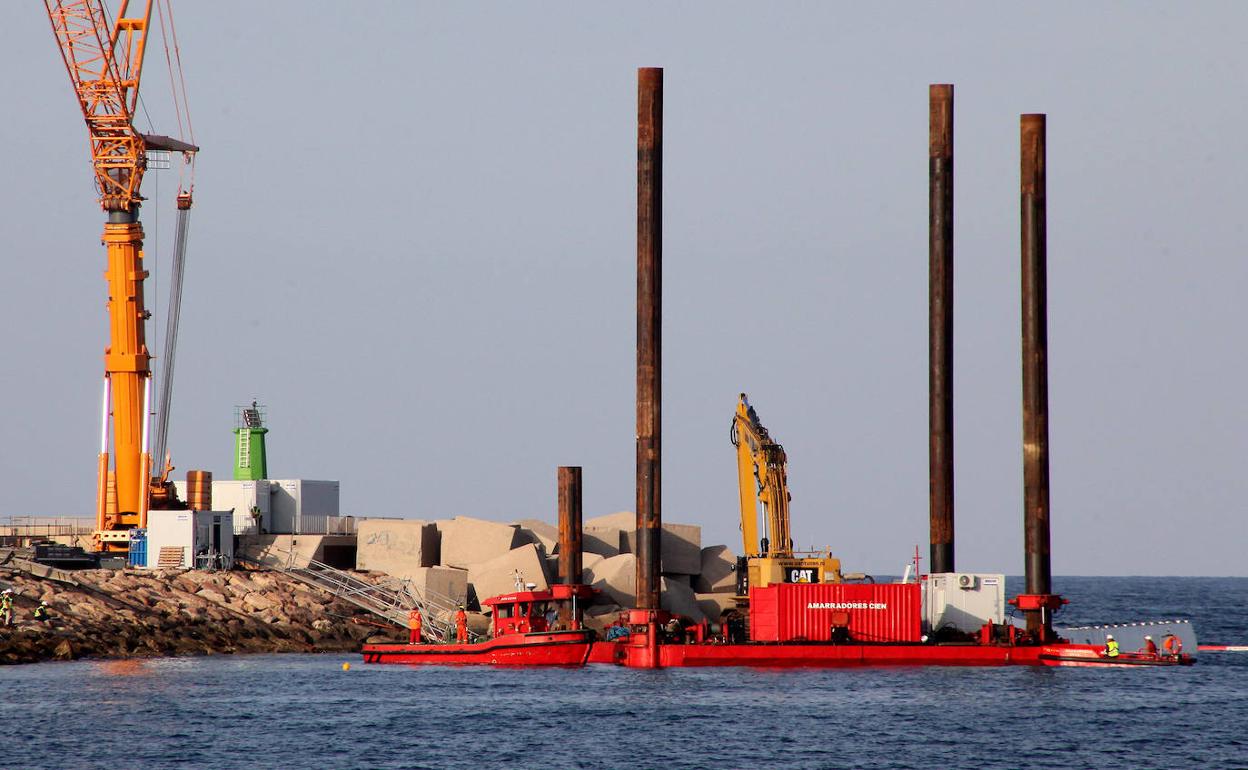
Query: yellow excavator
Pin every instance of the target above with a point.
(764, 488)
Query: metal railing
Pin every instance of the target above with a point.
(390, 604)
(18, 531)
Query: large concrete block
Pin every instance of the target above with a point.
(436, 584)
(497, 576)
(279, 551)
(467, 541)
(619, 520)
(539, 532)
(681, 547)
(680, 599)
(604, 541)
(588, 560)
(601, 616)
(715, 605)
(397, 547)
(616, 578)
(673, 577)
(719, 571)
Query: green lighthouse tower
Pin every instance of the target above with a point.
(249, 457)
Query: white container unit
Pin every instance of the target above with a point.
(963, 601)
(190, 539)
(240, 497)
(302, 506)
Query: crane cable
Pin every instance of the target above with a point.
(182, 110)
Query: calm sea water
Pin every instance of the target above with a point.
(303, 711)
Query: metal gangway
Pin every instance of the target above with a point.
(391, 604)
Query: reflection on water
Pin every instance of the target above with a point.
(121, 668)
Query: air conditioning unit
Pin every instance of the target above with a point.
(966, 582)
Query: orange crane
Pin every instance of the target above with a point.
(105, 59)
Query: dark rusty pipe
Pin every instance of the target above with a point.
(570, 524)
(940, 325)
(1035, 368)
(649, 332)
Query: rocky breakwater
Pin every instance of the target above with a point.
(125, 613)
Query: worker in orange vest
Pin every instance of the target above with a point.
(461, 625)
(414, 622)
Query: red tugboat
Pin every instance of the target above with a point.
(521, 635)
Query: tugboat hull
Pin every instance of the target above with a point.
(553, 648)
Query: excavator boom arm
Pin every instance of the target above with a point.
(762, 482)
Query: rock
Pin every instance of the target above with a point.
(63, 651)
(396, 546)
(718, 573)
(498, 575)
(685, 580)
(259, 601)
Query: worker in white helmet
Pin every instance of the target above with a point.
(1111, 646)
(6, 607)
(1150, 646)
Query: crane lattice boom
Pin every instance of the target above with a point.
(104, 64)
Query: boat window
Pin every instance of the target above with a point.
(523, 612)
(503, 610)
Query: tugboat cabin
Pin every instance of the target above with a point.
(524, 612)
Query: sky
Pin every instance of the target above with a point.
(414, 242)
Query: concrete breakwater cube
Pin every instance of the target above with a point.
(280, 551)
(617, 520)
(676, 577)
(719, 571)
(541, 533)
(680, 548)
(397, 547)
(497, 576)
(588, 561)
(680, 599)
(616, 578)
(598, 617)
(433, 583)
(714, 605)
(604, 541)
(467, 541)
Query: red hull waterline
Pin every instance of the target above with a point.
(858, 655)
(574, 649)
(553, 648)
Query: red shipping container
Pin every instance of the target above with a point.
(791, 612)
